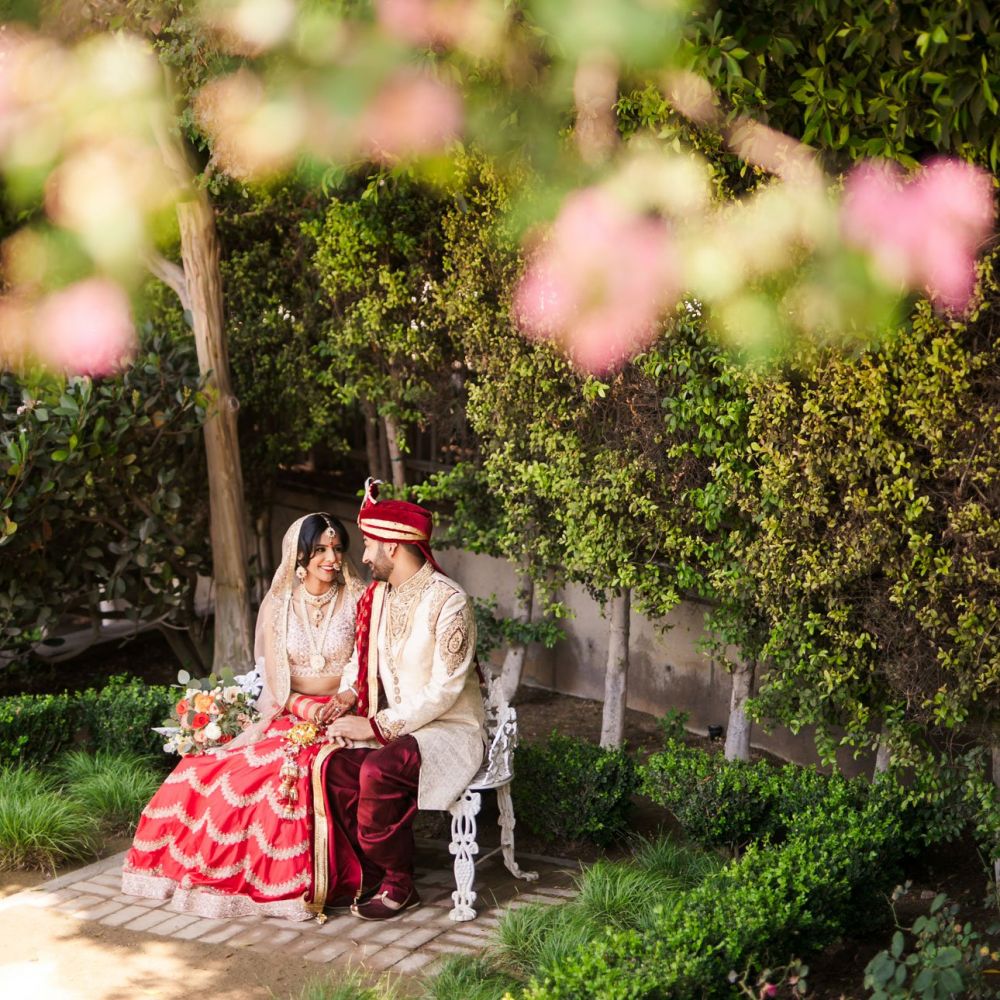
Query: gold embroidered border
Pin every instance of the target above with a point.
(391, 729)
(321, 834)
(378, 601)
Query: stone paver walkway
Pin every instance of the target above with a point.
(407, 944)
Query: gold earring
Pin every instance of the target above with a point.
(300, 572)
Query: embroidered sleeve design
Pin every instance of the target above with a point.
(391, 729)
(453, 645)
(441, 594)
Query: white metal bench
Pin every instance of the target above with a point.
(496, 773)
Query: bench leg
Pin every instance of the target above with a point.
(507, 822)
(464, 847)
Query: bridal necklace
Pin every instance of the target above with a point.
(317, 602)
(317, 661)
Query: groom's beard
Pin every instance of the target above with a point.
(381, 567)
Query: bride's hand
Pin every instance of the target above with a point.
(337, 706)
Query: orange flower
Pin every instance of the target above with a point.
(203, 702)
(200, 720)
(182, 707)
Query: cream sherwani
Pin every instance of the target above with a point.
(422, 649)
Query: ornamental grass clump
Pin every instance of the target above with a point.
(113, 787)
(468, 977)
(39, 826)
(352, 985)
(532, 940)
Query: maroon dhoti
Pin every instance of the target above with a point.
(373, 798)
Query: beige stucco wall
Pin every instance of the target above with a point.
(667, 669)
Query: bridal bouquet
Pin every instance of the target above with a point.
(210, 713)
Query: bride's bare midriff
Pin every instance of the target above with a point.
(316, 685)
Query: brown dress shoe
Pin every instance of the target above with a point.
(382, 907)
(346, 902)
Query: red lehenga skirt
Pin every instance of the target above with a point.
(219, 840)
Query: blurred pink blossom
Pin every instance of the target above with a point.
(599, 282)
(412, 115)
(923, 231)
(85, 329)
(436, 22)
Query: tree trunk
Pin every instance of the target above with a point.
(371, 440)
(262, 531)
(185, 648)
(616, 675)
(882, 756)
(200, 256)
(739, 728)
(513, 661)
(396, 460)
(383, 454)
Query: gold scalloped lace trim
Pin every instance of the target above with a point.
(255, 830)
(221, 784)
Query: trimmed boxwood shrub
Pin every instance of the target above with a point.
(37, 727)
(119, 717)
(723, 803)
(570, 789)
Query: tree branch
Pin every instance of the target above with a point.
(172, 275)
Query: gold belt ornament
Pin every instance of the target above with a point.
(301, 735)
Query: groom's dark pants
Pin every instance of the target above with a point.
(373, 795)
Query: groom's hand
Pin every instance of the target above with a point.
(352, 727)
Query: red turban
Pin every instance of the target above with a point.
(396, 521)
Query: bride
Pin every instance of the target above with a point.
(246, 829)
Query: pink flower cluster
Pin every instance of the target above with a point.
(599, 282)
(922, 231)
(425, 22)
(414, 114)
(85, 329)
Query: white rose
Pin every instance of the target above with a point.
(212, 731)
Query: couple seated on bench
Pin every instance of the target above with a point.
(371, 709)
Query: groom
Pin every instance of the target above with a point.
(419, 712)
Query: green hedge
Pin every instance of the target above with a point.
(771, 904)
(38, 727)
(723, 803)
(119, 717)
(571, 789)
